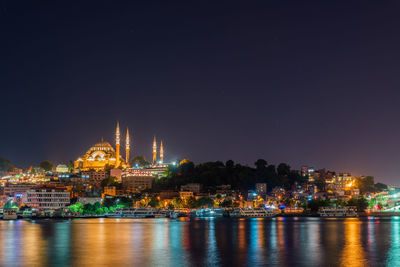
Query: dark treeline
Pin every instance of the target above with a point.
(212, 174)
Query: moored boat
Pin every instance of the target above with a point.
(346, 211)
(251, 213)
(207, 213)
(138, 213)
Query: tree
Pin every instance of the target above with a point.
(109, 181)
(261, 164)
(154, 202)
(226, 203)
(361, 203)
(283, 169)
(380, 187)
(70, 165)
(5, 165)
(76, 208)
(204, 202)
(46, 165)
(140, 161)
(88, 209)
(230, 164)
(315, 204)
(366, 184)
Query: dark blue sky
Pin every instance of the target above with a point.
(303, 82)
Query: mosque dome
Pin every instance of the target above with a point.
(102, 146)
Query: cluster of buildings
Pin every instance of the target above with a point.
(85, 181)
(55, 189)
(334, 185)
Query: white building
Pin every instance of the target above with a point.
(62, 168)
(46, 198)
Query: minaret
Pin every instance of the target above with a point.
(117, 144)
(154, 151)
(127, 143)
(161, 154)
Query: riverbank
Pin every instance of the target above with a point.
(360, 214)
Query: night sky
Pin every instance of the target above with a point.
(302, 82)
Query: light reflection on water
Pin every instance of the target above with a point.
(199, 242)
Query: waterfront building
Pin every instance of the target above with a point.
(47, 198)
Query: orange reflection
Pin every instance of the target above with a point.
(353, 253)
(33, 245)
(242, 234)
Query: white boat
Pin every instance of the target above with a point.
(347, 211)
(251, 213)
(207, 213)
(138, 213)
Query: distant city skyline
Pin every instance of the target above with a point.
(307, 84)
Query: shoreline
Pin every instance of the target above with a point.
(360, 215)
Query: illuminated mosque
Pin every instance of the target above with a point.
(102, 155)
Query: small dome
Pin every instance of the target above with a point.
(184, 161)
(10, 205)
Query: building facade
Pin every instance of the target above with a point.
(46, 198)
(137, 183)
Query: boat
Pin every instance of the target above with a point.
(138, 213)
(251, 213)
(207, 213)
(347, 211)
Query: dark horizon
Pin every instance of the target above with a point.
(311, 83)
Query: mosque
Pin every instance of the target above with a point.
(102, 155)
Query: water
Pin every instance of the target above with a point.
(201, 242)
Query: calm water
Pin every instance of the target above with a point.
(199, 242)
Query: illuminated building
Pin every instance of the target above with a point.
(47, 198)
(62, 168)
(261, 188)
(95, 177)
(154, 151)
(110, 191)
(102, 156)
(185, 194)
(137, 183)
